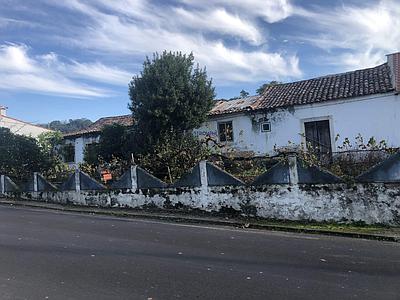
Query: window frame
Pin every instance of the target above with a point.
(72, 153)
(262, 126)
(219, 132)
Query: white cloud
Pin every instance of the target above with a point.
(364, 34)
(13, 58)
(219, 20)
(270, 11)
(46, 74)
(110, 33)
(101, 73)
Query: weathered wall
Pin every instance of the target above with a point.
(369, 203)
(368, 116)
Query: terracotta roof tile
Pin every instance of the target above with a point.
(125, 120)
(357, 83)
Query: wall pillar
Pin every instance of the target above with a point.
(293, 173)
(204, 197)
(35, 182)
(77, 180)
(203, 174)
(2, 184)
(134, 179)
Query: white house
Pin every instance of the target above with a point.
(365, 102)
(317, 110)
(76, 142)
(18, 126)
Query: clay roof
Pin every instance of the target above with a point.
(232, 106)
(96, 127)
(347, 85)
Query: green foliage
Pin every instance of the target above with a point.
(353, 158)
(244, 94)
(169, 94)
(49, 141)
(50, 144)
(21, 155)
(357, 157)
(174, 155)
(246, 168)
(116, 166)
(68, 126)
(261, 89)
(115, 141)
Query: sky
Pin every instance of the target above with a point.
(70, 59)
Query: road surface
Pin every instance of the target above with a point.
(52, 255)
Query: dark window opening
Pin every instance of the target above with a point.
(318, 136)
(225, 131)
(69, 153)
(91, 153)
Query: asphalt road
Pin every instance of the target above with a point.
(52, 255)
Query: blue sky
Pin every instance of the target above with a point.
(74, 58)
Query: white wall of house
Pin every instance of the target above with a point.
(80, 145)
(20, 127)
(375, 116)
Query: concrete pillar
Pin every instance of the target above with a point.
(134, 179)
(2, 184)
(203, 173)
(35, 182)
(77, 180)
(293, 174)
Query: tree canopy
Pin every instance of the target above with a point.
(170, 94)
(68, 126)
(244, 94)
(261, 89)
(114, 142)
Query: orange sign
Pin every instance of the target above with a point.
(106, 176)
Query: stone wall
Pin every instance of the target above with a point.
(370, 203)
(298, 193)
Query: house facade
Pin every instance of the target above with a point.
(322, 111)
(76, 142)
(20, 127)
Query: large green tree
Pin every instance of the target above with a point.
(170, 94)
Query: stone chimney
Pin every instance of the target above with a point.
(394, 64)
(3, 110)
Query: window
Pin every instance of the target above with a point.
(69, 153)
(318, 136)
(91, 153)
(225, 131)
(266, 127)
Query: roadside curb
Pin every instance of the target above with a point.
(197, 220)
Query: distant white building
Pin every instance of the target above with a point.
(365, 102)
(18, 126)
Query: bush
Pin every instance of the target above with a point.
(174, 155)
(20, 156)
